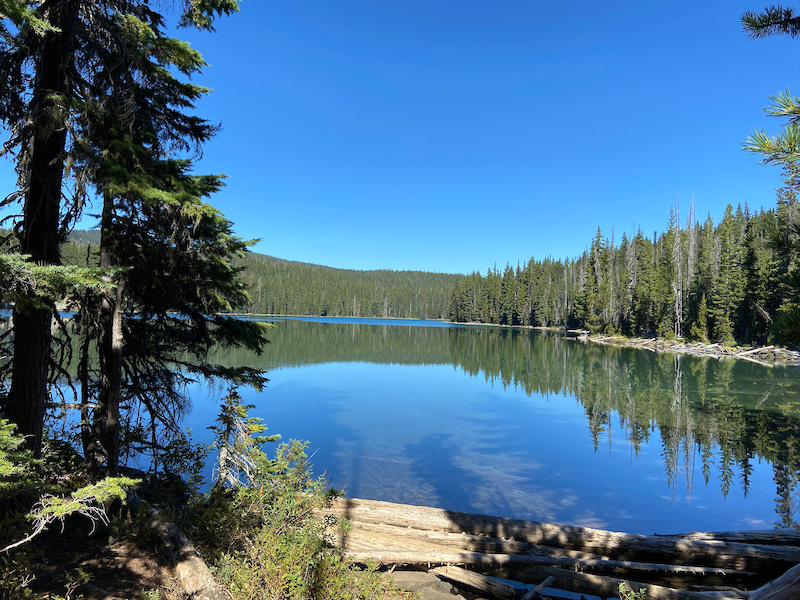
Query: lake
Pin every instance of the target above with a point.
(523, 424)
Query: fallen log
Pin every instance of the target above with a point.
(195, 579)
(785, 587)
(476, 580)
(389, 537)
(495, 560)
(754, 351)
(536, 592)
(364, 540)
(485, 543)
(765, 559)
(774, 537)
(607, 587)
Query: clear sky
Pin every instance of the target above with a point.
(452, 136)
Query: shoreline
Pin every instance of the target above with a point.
(763, 355)
(768, 356)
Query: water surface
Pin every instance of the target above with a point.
(521, 424)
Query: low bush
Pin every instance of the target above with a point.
(260, 533)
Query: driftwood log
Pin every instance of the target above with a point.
(775, 537)
(608, 587)
(491, 586)
(613, 545)
(785, 587)
(697, 565)
(525, 560)
(767, 356)
(192, 572)
(537, 591)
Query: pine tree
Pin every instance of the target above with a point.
(175, 250)
(643, 310)
(40, 131)
(66, 117)
(628, 288)
(509, 297)
(240, 460)
(760, 300)
(699, 329)
(728, 287)
(782, 149)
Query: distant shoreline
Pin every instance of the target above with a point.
(266, 316)
(763, 355)
(767, 356)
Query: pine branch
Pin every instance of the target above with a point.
(775, 20)
(783, 104)
(783, 148)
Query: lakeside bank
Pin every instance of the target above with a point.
(769, 355)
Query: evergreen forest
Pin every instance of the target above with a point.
(115, 327)
(285, 287)
(726, 281)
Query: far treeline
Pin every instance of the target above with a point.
(730, 281)
(737, 280)
(284, 287)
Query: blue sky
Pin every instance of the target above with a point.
(452, 136)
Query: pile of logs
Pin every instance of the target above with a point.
(763, 355)
(486, 553)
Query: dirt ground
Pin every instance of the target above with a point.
(122, 569)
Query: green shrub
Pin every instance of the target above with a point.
(260, 533)
(626, 593)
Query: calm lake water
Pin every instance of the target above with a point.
(522, 424)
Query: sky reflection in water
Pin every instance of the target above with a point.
(433, 434)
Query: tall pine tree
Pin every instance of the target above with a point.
(104, 100)
(782, 149)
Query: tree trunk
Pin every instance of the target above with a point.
(607, 587)
(191, 571)
(483, 560)
(40, 235)
(493, 587)
(106, 416)
(28, 394)
(91, 452)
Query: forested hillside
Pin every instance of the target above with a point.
(293, 288)
(707, 281)
(283, 287)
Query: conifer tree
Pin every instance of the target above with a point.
(509, 300)
(643, 312)
(628, 252)
(760, 273)
(154, 221)
(39, 130)
(102, 76)
(782, 149)
(699, 329)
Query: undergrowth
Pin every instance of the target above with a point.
(261, 536)
(256, 527)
